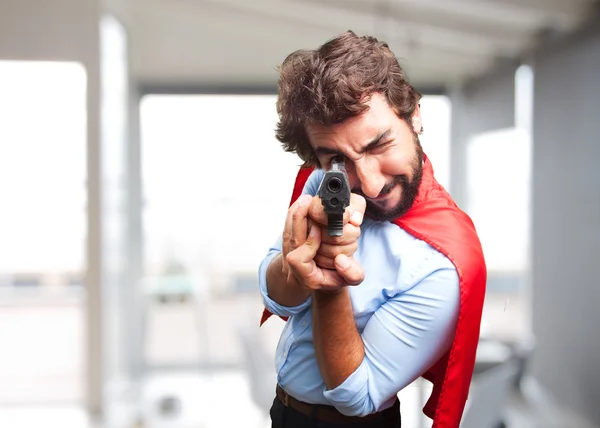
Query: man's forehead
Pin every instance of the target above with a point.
(355, 130)
(318, 129)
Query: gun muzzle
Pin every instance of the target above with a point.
(334, 192)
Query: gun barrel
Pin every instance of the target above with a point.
(334, 192)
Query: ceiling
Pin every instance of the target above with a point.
(198, 44)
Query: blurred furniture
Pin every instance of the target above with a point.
(489, 396)
(169, 288)
(491, 353)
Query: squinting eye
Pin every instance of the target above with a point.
(382, 146)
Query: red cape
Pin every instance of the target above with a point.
(436, 219)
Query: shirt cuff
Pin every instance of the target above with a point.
(351, 398)
(271, 305)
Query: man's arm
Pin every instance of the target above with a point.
(403, 338)
(330, 297)
(338, 346)
(279, 289)
(273, 285)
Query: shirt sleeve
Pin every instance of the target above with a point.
(403, 338)
(311, 187)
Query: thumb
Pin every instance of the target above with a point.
(349, 269)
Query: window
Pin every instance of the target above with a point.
(499, 183)
(43, 230)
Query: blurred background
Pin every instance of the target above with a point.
(141, 185)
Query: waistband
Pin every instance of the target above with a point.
(326, 413)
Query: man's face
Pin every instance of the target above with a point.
(383, 157)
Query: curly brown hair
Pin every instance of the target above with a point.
(334, 82)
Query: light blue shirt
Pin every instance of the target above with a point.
(405, 310)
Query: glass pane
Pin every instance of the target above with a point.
(43, 230)
(498, 201)
(499, 198)
(211, 169)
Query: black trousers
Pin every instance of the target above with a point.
(287, 417)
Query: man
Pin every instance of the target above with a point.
(399, 295)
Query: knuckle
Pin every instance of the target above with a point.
(290, 259)
(295, 215)
(310, 282)
(315, 209)
(311, 286)
(291, 210)
(294, 242)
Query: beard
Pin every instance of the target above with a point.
(410, 190)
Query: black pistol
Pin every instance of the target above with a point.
(334, 192)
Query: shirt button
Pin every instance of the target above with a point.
(303, 323)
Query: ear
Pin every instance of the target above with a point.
(417, 123)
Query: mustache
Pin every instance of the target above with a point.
(399, 179)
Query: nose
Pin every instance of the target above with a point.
(369, 176)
